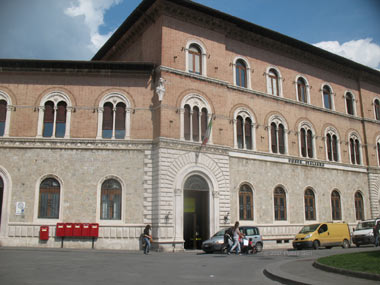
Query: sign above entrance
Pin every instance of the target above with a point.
(306, 162)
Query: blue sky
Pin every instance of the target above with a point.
(76, 29)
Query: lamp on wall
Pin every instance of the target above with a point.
(227, 218)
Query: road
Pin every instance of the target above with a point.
(73, 266)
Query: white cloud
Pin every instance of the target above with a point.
(93, 12)
(363, 51)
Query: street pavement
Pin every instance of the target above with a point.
(79, 266)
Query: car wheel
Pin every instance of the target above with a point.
(345, 244)
(357, 245)
(315, 244)
(259, 247)
(328, 247)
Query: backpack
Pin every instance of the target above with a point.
(229, 231)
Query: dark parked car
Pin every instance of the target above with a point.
(215, 243)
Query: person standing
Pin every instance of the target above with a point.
(147, 238)
(237, 234)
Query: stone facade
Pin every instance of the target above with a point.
(155, 160)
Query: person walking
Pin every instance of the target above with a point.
(147, 238)
(237, 234)
(376, 233)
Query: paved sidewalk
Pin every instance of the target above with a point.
(302, 271)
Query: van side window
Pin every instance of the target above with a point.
(323, 229)
(251, 231)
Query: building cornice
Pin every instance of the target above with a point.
(73, 67)
(167, 143)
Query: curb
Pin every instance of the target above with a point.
(273, 272)
(369, 276)
(281, 279)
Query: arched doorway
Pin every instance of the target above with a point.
(196, 224)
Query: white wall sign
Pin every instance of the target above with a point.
(20, 208)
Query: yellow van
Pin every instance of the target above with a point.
(323, 234)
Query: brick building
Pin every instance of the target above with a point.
(117, 140)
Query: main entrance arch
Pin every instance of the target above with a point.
(196, 222)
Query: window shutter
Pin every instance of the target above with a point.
(248, 133)
(204, 122)
(61, 112)
(108, 116)
(310, 143)
(329, 147)
(352, 148)
(49, 112)
(3, 110)
(303, 142)
(281, 138)
(187, 122)
(335, 147)
(357, 151)
(274, 137)
(120, 117)
(239, 131)
(195, 124)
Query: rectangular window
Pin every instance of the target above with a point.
(49, 204)
(111, 204)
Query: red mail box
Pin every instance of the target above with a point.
(77, 230)
(68, 229)
(60, 230)
(85, 230)
(44, 232)
(94, 230)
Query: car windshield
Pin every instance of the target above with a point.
(309, 229)
(365, 225)
(220, 233)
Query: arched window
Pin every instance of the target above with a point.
(332, 144)
(243, 130)
(241, 73)
(376, 103)
(277, 134)
(279, 204)
(48, 206)
(54, 116)
(355, 150)
(301, 90)
(327, 97)
(114, 117)
(273, 86)
(55, 119)
(110, 203)
(245, 203)
(335, 206)
(110, 115)
(3, 116)
(350, 103)
(359, 206)
(5, 113)
(195, 59)
(307, 141)
(309, 205)
(195, 117)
